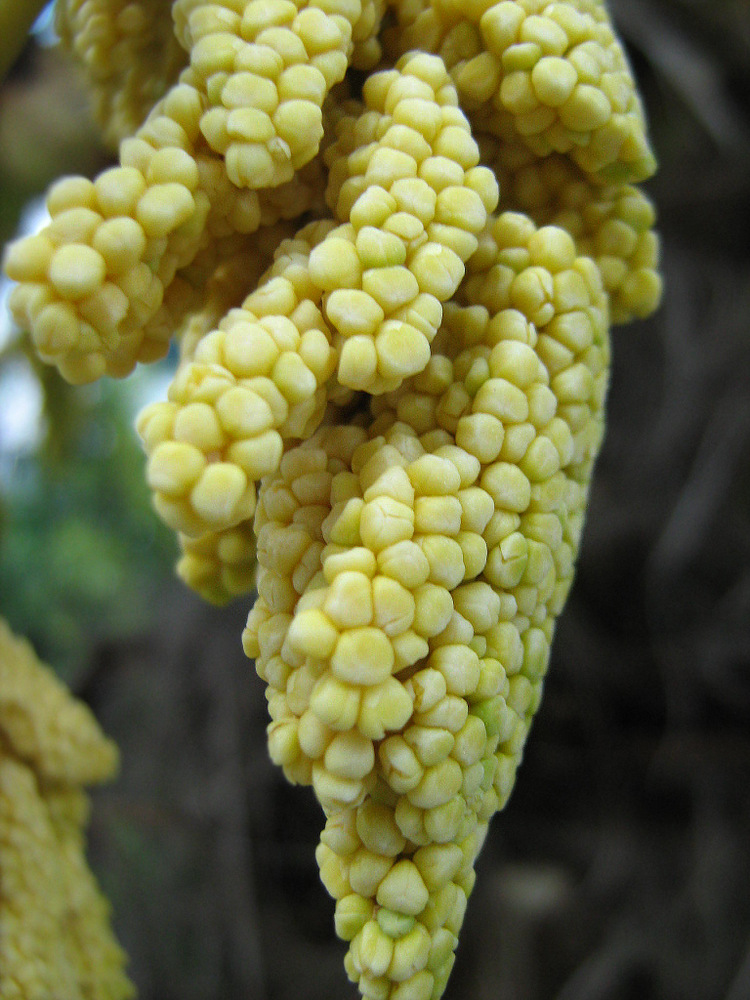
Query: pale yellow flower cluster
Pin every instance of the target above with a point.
(611, 223)
(267, 67)
(55, 935)
(393, 291)
(551, 74)
(94, 285)
(410, 573)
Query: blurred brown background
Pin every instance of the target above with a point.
(621, 868)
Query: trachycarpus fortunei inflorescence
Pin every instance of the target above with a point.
(391, 385)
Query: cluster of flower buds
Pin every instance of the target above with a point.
(55, 935)
(392, 290)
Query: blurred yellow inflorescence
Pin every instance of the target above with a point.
(55, 937)
(393, 290)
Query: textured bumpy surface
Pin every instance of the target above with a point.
(267, 67)
(55, 938)
(392, 290)
(550, 74)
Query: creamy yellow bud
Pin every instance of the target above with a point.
(410, 954)
(367, 870)
(313, 634)
(352, 913)
(438, 864)
(403, 889)
(378, 830)
(374, 949)
(349, 602)
(430, 744)
(385, 707)
(439, 784)
(362, 656)
(335, 702)
(400, 766)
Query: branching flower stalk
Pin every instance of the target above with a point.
(393, 301)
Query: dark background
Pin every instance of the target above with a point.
(621, 868)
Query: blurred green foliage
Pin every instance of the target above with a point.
(82, 556)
